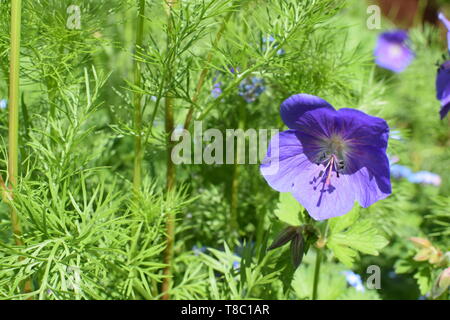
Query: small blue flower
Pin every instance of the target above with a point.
(425, 177)
(198, 250)
(396, 135)
(354, 280)
(3, 103)
(271, 40)
(217, 90)
(236, 265)
(422, 177)
(398, 171)
(251, 88)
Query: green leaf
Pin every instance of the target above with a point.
(423, 277)
(340, 223)
(343, 253)
(348, 236)
(288, 209)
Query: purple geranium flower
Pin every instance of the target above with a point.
(328, 158)
(392, 51)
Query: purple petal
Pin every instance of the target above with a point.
(444, 20)
(362, 129)
(367, 164)
(370, 175)
(444, 110)
(284, 161)
(443, 88)
(323, 201)
(294, 107)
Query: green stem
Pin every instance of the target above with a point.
(234, 225)
(138, 150)
(13, 132)
(14, 100)
(317, 273)
(170, 173)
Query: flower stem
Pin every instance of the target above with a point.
(13, 132)
(138, 152)
(234, 225)
(320, 244)
(14, 96)
(317, 273)
(170, 173)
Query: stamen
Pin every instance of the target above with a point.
(330, 164)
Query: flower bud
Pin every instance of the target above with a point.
(442, 283)
(420, 242)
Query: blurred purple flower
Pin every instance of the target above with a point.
(354, 280)
(328, 158)
(443, 75)
(251, 88)
(217, 90)
(392, 51)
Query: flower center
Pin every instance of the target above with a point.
(395, 50)
(332, 157)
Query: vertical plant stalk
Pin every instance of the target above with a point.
(170, 173)
(13, 121)
(234, 203)
(317, 273)
(138, 150)
(320, 246)
(14, 99)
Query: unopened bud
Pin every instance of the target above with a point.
(442, 283)
(421, 242)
